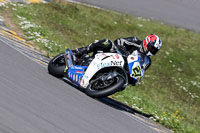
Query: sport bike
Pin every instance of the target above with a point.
(100, 74)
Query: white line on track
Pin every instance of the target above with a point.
(76, 2)
(18, 50)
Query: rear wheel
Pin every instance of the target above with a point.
(105, 84)
(56, 66)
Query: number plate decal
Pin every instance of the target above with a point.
(136, 72)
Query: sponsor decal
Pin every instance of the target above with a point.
(112, 63)
(99, 66)
(116, 63)
(83, 82)
(132, 58)
(104, 54)
(76, 78)
(78, 72)
(79, 79)
(117, 56)
(113, 56)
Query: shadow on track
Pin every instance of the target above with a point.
(112, 103)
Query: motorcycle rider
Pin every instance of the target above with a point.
(149, 46)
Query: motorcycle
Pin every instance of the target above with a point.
(101, 74)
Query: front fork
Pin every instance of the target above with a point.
(68, 59)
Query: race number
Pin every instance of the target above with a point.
(136, 72)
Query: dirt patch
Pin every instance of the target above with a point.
(10, 24)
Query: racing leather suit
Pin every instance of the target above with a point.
(125, 45)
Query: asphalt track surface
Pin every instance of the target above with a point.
(32, 101)
(181, 13)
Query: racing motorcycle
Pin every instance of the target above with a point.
(101, 74)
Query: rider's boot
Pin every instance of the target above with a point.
(98, 45)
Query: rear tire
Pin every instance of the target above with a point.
(115, 87)
(56, 66)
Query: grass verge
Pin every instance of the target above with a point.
(171, 87)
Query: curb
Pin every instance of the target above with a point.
(13, 35)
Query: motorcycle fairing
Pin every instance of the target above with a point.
(134, 64)
(101, 60)
(75, 73)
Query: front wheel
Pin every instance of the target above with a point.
(100, 87)
(56, 66)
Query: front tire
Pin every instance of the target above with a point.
(56, 66)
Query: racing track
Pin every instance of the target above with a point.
(182, 13)
(32, 101)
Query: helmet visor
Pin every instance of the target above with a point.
(152, 49)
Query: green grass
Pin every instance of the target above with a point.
(171, 87)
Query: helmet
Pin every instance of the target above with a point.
(151, 45)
